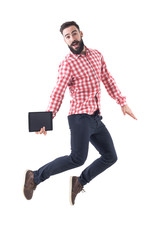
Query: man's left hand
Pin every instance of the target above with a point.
(127, 110)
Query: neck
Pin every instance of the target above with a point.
(84, 51)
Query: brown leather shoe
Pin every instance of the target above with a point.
(29, 185)
(76, 188)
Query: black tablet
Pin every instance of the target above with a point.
(37, 120)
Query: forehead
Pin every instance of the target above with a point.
(69, 30)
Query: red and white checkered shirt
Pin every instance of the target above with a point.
(83, 75)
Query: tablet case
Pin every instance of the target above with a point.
(37, 120)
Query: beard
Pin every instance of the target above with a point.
(79, 49)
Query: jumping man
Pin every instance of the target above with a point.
(82, 71)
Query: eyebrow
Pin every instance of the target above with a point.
(71, 32)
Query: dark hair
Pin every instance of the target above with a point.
(68, 24)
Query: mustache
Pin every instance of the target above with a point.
(80, 48)
(74, 42)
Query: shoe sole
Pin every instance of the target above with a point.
(70, 191)
(24, 179)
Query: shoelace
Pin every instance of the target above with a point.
(82, 190)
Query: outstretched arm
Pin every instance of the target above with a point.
(113, 90)
(111, 85)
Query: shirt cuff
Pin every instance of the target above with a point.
(122, 102)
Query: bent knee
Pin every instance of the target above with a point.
(110, 158)
(114, 157)
(77, 159)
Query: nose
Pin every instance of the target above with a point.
(72, 39)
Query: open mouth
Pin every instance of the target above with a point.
(75, 44)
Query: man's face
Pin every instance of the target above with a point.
(73, 38)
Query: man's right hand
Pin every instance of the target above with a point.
(42, 131)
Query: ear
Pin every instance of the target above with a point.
(81, 33)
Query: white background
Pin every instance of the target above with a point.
(121, 203)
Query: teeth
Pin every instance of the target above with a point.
(74, 44)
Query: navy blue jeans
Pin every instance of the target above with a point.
(84, 129)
